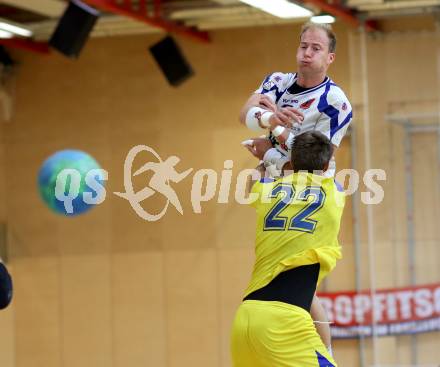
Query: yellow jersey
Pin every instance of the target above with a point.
(298, 219)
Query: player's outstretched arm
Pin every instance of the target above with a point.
(321, 322)
(256, 100)
(262, 149)
(260, 113)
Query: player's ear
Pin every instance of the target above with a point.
(326, 167)
(331, 57)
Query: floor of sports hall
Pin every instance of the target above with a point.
(111, 289)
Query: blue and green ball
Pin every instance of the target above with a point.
(54, 168)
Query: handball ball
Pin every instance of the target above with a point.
(71, 182)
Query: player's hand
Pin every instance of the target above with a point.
(258, 147)
(286, 116)
(267, 103)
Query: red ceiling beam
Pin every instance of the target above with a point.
(157, 8)
(166, 25)
(127, 4)
(26, 44)
(343, 13)
(142, 7)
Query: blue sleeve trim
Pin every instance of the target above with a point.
(332, 112)
(345, 122)
(329, 110)
(267, 180)
(339, 186)
(278, 93)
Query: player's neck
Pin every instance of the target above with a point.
(310, 81)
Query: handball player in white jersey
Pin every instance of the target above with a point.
(287, 104)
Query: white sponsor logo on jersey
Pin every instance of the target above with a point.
(268, 85)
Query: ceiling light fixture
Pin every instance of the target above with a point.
(280, 8)
(15, 29)
(4, 34)
(328, 19)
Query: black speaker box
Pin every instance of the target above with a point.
(73, 28)
(171, 61)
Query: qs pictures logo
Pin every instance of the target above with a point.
(206, 183)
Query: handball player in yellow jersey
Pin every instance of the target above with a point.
(296, 246)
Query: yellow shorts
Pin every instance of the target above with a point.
(276, 334)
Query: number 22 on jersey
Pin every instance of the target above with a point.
(301, 221)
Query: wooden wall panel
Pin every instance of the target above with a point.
(192, 301)
(234, 274)
(346, 352)
(138, 312)
(86, 310)
(37, 313)
(235, 222)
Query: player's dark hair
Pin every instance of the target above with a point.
(327, 28)
(311, 151)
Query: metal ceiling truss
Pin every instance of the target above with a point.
(150, 13)
(26, 44)
(140, 11)
(343, 13)
(193, 18)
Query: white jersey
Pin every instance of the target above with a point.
(325, 107)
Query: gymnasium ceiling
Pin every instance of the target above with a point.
(41, 16)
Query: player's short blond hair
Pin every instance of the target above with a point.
(327, 28)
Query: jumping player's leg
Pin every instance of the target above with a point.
(242, 352)
(321, 322)
(267, 334)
